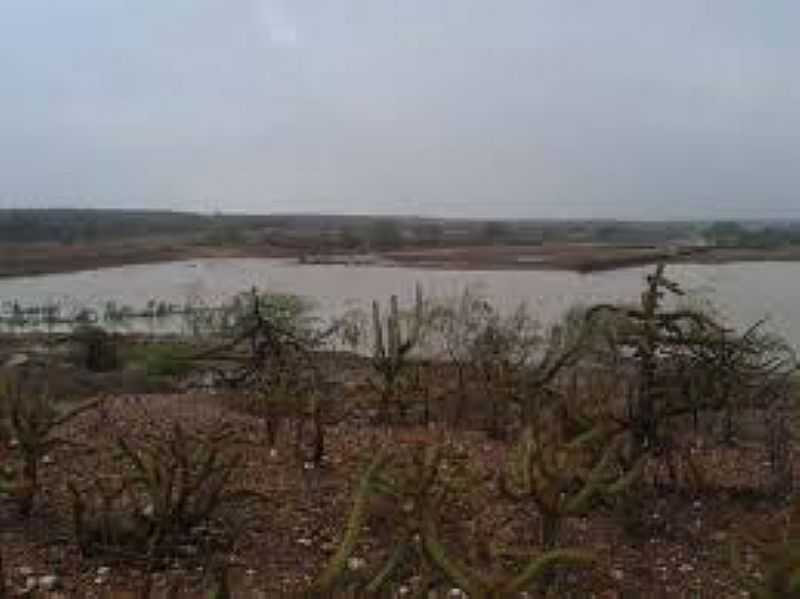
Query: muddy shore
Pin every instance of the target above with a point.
(17, 260)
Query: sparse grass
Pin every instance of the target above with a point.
(160, 359)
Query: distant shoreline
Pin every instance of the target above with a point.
(26, 260)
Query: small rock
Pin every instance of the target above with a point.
(16, 361)
(354, 564)
(25, 571)
(30, 584)
(328, 547)
(250, 572)
(103, 571)
(305, 542)
(719, 536)
(48, 582)
(617, 574)
(686, 568)
(47, 460)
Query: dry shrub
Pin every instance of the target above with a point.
(172, 493)
(31, 421)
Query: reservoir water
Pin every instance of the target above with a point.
(742, 292)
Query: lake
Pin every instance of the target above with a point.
(742, 292)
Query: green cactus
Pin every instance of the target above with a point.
(416, 483)
(779, 551)
(391, 349)
(331, 575)
(564, 476)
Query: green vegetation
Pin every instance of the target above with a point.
(322, 232)
(161, 359)
(735, 235)
(70, 226)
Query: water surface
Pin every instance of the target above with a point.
(743, 292)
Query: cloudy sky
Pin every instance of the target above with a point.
(504, 108)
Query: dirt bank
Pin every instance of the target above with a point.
(36, 259)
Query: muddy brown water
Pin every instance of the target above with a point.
(743, 292)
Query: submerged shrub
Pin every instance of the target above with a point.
(161, 359)
(97, 350)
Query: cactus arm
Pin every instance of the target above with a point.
(540, 565)
(355, 521)
(452, 568)
(380, 350)
(393, 326)
(592, 486)
(626, 481)
(389, 568)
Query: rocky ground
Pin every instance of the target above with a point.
(682, 551)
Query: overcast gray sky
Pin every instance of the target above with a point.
(560, 108)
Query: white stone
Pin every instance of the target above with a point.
(356, 563)
(48, 582)
(30, 583)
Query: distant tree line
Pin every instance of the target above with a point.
(71, 226)
(734, 234)
(353, 232)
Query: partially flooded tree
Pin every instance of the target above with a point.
(270, 357)
(457, 325)
(685, 364)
